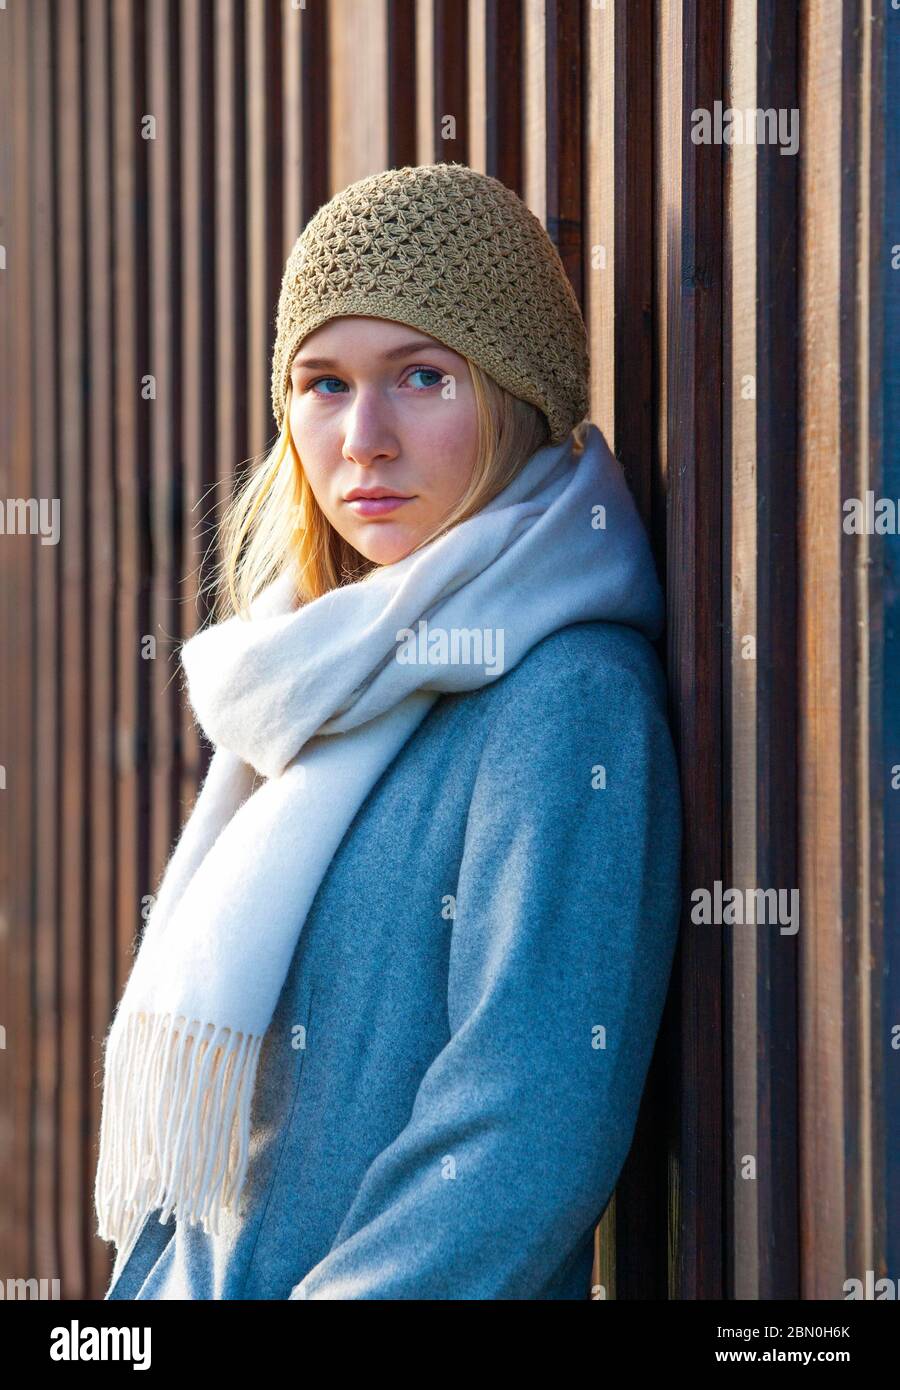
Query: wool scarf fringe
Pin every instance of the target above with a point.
(175, 1129)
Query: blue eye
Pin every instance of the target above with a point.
(315, 383)
(429, 371)
(416, 371)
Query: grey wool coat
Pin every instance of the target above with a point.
(449, 1086)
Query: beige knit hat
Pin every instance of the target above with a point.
(457, 254)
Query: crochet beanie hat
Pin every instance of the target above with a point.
(457, 254)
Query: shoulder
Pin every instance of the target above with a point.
(586, 705)
(594, 670)
(577, 779)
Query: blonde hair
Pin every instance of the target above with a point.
(275, 517)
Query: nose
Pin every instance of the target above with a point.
(369, 435)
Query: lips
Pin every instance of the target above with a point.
(377, 491)
(376, 506)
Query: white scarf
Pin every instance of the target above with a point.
(318, 700)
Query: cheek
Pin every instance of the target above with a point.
(303, 423)
(311, 455)
(450, 452)
(306, 429)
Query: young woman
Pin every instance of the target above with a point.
(390, 1020)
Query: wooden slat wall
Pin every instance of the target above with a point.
(163, 155)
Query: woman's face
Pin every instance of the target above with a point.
(378, 406)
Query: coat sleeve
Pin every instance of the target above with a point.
(561, 950)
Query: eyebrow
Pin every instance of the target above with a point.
(402, 350)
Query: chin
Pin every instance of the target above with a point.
(382, 550)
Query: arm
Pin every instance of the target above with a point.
(566, 917)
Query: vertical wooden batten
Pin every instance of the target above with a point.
(776, 672)
(689, 55)
(27, 1228)
(476, 84)
(619, 276)
(164, 151)
(450, 66)
(564, 55)
(307, 113)
(401, 76)
(229, 437)
(426, 152)
(741, 648)
(41, 1116)
(264, 205)
(886, 667)
(534, 57)
(195, 328)
(73, 825)
(632, 258)
(356, 131)
(600, 214)
(102, 503)
(823, 638)
(504, 96)
(841, 947)
(130, 259)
